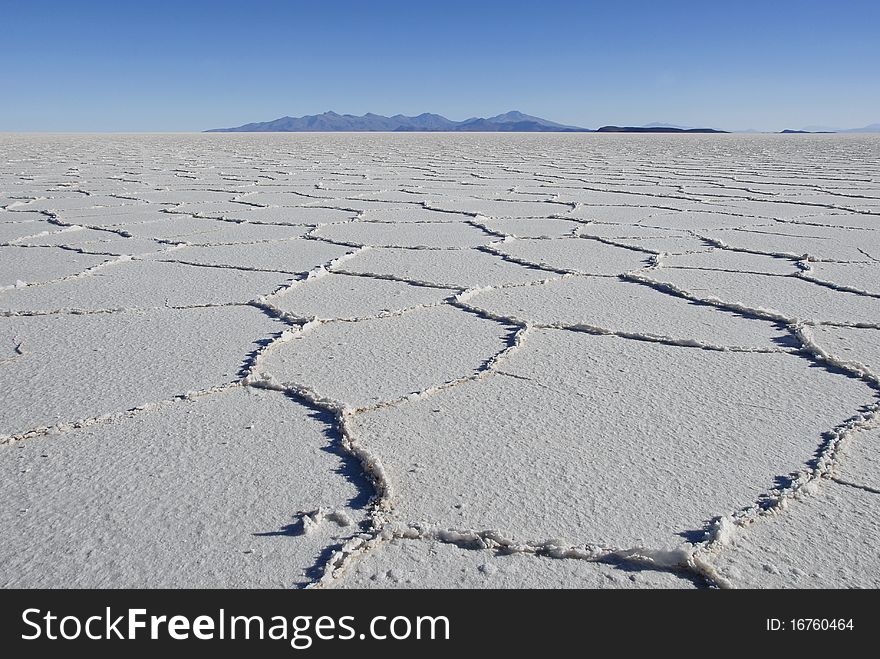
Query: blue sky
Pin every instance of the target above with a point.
(177, 66)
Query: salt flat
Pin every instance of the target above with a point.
(440, 360)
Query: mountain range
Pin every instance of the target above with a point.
(655, 129)
(512, 121)
(872, 128)
(330, 121)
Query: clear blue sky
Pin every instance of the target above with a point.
(190, 65)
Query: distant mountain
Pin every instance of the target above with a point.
(518, 117)
(873, 128)
(512, 121)
(426, 122)
(820, 129)
(655, 129)
(789, 131)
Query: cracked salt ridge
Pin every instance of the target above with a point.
(111, 221)
(705, 220)
(246, 233)
(858, 463)
(114, 231)
(787, 209)
(358, 206)
(455, 269)
(616, 214)
(12, 232)
(425, 563)
(293, 257)
(418, 236)
(856, 350)
(592, 229)
(600, 197)
(733, 261)
(70, 203)
(575, 255)
(111, 417)
(65, 264)
(500, 209)
(674, 246)
(190, 229)
(99, 246)
(207, 209)
(531, 227)
(840, 276)
(415, 215)
(676, 562)
(598, 305)
(113, 362)
(838, 221)
(804, 300)
(774, 241)
(332, 296)
(276, 216)
(178, 197)
(216, 471)
(174, 285)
